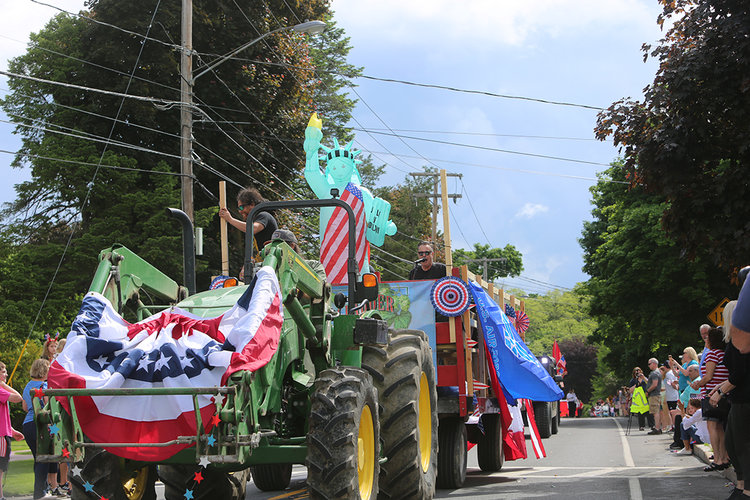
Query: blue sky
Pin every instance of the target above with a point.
(581, 52)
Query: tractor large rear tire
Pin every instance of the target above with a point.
(272, 477)
(178, 479)
(452, 454)
(103, 471)
(343, 441)
(490, 446)
(404, 374)
(543, 418)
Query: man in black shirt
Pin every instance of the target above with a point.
(264, 224)
(427, 269)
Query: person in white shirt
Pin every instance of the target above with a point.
(572, 400)
(694, 428)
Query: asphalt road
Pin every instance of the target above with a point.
(588, 458)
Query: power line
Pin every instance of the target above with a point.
(480, 134)
(91, 164)
(468, 198)
(486, 148)
(523, 171)
(481, 92)
(96, 21)
(96, 65)
(426, 85)
(91, 137)
(164, 102)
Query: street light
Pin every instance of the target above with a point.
(186, 91)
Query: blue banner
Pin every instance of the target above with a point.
(517, 368)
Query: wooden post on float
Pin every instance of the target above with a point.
(223, 226)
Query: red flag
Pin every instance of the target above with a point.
(335, 246)
(556, 352)
(559, 359)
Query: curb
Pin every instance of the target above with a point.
(703, 451)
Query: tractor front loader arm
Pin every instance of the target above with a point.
(122, 274)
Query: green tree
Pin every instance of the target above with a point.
(412, 218)
(581, 359)
(244, 111)
(511, 265)
(646, 296)
(688, 140)
(557, 316)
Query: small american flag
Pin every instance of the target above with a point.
(334, 249)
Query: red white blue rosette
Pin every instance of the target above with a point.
(450, 296)
(218, 282)
(522, 322)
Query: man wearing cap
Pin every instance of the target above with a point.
(290, 239)
(653, 391)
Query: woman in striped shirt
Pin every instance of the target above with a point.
(714, 373)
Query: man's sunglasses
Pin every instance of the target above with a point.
(423, 253)
(240, 207)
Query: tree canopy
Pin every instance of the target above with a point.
(104, 167)
(647, 297)
(500, 263)
(688, 141)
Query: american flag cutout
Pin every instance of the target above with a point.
(536, 439)
(334, 249)
(171, 349)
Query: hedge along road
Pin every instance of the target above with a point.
(588, 458)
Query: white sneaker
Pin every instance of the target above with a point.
(684, 451)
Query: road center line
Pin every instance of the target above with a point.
(633, 483)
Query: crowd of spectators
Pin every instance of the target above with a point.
(705, 397)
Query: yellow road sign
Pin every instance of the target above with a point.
(717, 315)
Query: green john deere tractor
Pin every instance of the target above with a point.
(353, 402)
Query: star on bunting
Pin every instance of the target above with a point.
(38, 393)
(65, 453)
(76, 470)
(88, 487)
(53, 429)
(204, 462)
(211, 440)
(215, 420)
(198, 477)
(188, 494)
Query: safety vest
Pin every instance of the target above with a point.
(640, 402)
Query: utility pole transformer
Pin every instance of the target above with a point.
(484, 264)
(434, 195)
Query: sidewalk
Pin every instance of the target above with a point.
(703, 451)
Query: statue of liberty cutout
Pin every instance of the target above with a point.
(372, 224)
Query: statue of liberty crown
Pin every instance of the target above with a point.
(341, 152)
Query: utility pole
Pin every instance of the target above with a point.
(434, 195)
(186, 112)
(484, 262)
(187, 83)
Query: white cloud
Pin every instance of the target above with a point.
(485, 22)
(19, 19)
(530, 210)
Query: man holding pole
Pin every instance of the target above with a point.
(264, 224)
